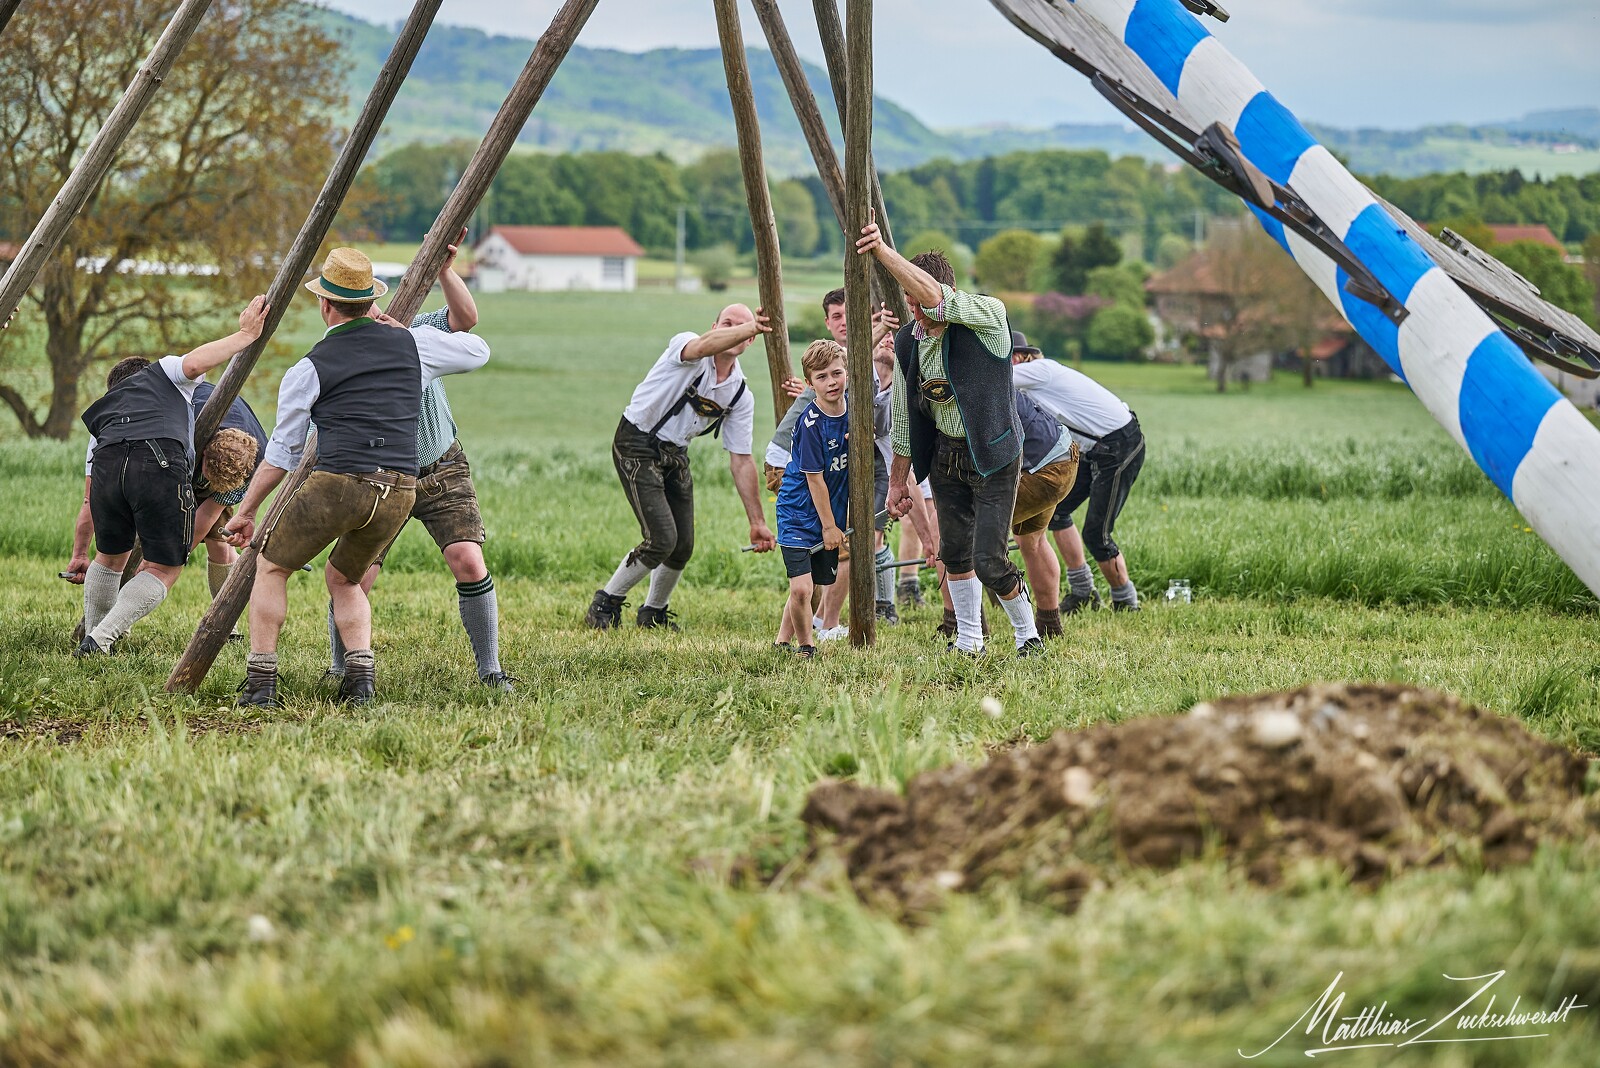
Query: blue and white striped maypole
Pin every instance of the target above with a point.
(1531, 442)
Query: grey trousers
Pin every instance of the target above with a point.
(975, 515)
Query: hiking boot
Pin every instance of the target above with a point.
(1048, 622)
(260, 692)
(909, 593)
(947, 629)
(1031, 648)
(806, 652)
(499, 680)
(887, 615)
(605, 611)
(1073, 603)
(650, 618)
(357, 688)
(1124, 606)
(88, 647)
(970, 654)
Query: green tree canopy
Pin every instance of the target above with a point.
(1119, 332)
(1005, 261)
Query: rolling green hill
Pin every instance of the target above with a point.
(675, 101)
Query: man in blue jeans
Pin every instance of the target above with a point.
(955, 423)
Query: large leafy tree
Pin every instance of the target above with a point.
(210, 186)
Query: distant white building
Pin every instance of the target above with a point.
(556, 257)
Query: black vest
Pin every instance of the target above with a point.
(371, 396)
(1040, 431)
(145, 406)
(239, 416)
(983, 392)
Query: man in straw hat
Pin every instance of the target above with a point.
(447, 503)
(141, 437)
(362, 384)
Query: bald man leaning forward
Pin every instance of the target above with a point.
(695, 388)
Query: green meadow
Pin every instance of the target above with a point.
(447, 877)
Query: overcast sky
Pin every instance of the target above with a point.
(1387, 63)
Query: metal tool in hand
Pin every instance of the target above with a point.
(817, 548)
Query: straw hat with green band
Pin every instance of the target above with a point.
(346, 278)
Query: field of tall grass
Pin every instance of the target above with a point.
(450, 878)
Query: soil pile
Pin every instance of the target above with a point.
(1375, 779)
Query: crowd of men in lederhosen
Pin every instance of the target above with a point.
(978, 441)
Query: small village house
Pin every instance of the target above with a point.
(545, 258)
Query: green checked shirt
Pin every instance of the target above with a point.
(984, 316)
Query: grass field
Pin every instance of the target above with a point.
(450, 879)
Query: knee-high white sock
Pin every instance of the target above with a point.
(663, 580)
(885, 586)
(967, 594)
(627, 576)
(1020, 612)
(100, 588)
(138, 599)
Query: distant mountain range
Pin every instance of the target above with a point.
(675, 101)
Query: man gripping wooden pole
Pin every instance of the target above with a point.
(98, 158)
(530, 85)
(858, 319)
(769, 263)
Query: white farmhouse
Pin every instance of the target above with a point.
(556, 257)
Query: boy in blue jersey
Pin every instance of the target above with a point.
(815, 494)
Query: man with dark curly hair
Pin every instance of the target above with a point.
(956, 424)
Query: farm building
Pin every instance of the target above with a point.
(556, 257)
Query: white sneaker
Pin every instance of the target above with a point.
(833, 634)
(816, 622)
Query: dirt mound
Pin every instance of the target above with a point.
(1376, 779)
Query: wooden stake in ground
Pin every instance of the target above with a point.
(508, 122)
(97, 159)
(834, 54)
(315, 229)
(769, 263)
(858, 323)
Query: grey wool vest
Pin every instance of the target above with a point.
(145, 406)
(983, 394)
(370, 397)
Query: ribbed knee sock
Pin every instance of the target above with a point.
(138, 599)
(359, 662)
(336, 653)
(100, 588)
(480, 615)
(1081, 580)
(627, 576)
(1125, 594)
(967, 594)
(663, 580)
(216, 575)
(885, 580)
(1020, 612)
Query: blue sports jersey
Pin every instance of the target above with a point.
(819, 445)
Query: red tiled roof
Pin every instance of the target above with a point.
(1504, 234)
(569, 240)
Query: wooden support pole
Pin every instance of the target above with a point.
(769, 262)
(315, 229)
(508, 122)
(98, 158)
(7, 9)
(804, 103)
(834, 55)
(858, 323)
